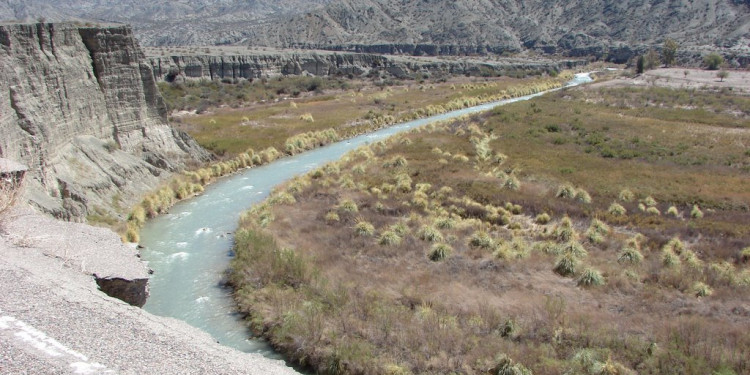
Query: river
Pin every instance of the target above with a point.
(189, 249)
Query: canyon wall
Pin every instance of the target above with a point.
(257, 65)
(79, 106)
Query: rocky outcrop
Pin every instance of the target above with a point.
(321, 63)
(54, 319)
(80, 107)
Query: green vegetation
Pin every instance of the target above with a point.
(713, 61)
(456, 273)
(669, 51)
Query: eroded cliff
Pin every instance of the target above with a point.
(257, 64)
(80, 107)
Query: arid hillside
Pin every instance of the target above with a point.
(604, 28)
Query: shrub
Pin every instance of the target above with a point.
(573, 248)
(712, 61)
(542, 218)
(505, 366)
(482, 240)
(307, 117)
(566, 265)
(597, 231)
(512, 183)
(590, 277)
(396, 162)
(430, 234)
(696, 212)
(631, 253)
(672, 211)
(649, 201)
(439, 251)
(363, 228)
(745, 255)
(566, 191)
(564, 231)
(445, 223)
(669, 259)
(653, 211)
(700, 289)
(348, 205)
(616, 209)
(400, 228)
(332, 216)
(389, 238)
(583, 196)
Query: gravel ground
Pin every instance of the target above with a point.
(54, 320)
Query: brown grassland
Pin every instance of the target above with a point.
(600, 231)
(289, 127)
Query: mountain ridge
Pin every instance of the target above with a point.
(573, 28)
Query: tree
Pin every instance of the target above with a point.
(722, 74)
(640, 65)
(652, 60)
(712, 61)
(669, 52)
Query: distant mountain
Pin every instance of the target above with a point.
(603, 28)
(164, 22)
(578, 27)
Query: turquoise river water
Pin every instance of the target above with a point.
(189, 249)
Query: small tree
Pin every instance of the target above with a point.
(722, 74)
(652, 60)
(712, 61)
(669, 52)
(640, 65)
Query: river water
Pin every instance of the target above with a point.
(189, 249)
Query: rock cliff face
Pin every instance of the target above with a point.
(80, 107)
(321, 63)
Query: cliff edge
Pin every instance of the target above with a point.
(80, 107)
(54, 319)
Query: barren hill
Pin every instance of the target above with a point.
(602, 28)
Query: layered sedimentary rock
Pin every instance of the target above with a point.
(80, 107)
(320, 63)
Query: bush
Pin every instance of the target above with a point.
(696, 212)
(389, 238)
(597, 231)
(364, 229)
(573, 248)
(566, 265)
(616, 209)
(583, 196)
(566, 191)
(430, 234)
(332, 216)
(631, 253)
(482, 240)
(564, 231)
(745, 255)
(672, 211)
(590, 277)
(348, 205)
(701, 289)
(542, 218)
(626, 195)
(712, 61)
(653, 211)
(445, 223)
(439, 251)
